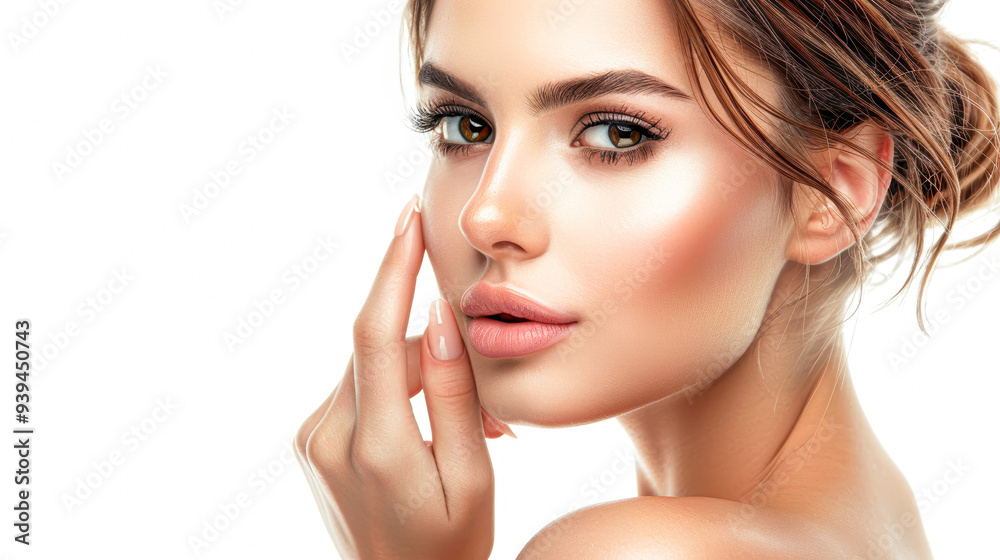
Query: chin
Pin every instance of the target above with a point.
(545, 390)
(528, 390)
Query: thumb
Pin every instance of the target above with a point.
(452, 402)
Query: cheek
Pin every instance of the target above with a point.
(722, 252)
(447, 250)
(678, 294)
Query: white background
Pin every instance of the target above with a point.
(233, 412)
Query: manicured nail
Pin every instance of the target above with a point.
(444, 340)
(498, 424)
(408, 210)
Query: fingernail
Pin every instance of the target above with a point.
(498, 424)
(444, 339)
(408, 210)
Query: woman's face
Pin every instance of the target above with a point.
(665, 250)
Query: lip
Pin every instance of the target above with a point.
(543, 326)
(484, 299)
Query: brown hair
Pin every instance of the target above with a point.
(844, 62)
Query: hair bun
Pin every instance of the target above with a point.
(972, 120)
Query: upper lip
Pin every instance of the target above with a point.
(484, 299)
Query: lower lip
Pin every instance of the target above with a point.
(498, 339)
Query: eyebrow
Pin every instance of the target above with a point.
(556, 94)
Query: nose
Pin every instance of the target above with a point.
(506, 218)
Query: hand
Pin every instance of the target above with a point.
(382, 490)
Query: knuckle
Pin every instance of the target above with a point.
(453, 386)
(372, 458)
(394, 260)
(321, 454)
(370, 334)
(300, 441)
(479, 483)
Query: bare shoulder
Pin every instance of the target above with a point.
(654, 527)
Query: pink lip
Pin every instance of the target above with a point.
(494, 338)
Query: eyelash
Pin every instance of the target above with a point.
(424, 119)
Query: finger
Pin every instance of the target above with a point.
(314, 487)
(343, 408)
(491, 430)
(310, 424)
(334, 419)
(452, 402)
(413, 385)
(327, 442)
(380, 357)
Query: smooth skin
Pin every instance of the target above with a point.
(750, 443)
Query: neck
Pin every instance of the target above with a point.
(723, 439)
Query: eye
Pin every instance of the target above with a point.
(618, 135)
(464, 129)
(613, 135)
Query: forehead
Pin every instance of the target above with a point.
(518, 43)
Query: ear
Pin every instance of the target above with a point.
(820, 233)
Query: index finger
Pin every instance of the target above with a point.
(340, 414)
(380, 356)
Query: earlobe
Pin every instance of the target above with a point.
(821, 232)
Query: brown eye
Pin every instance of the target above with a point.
(613, 135)
(473, 130)
(623, 136)
(464, 129)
